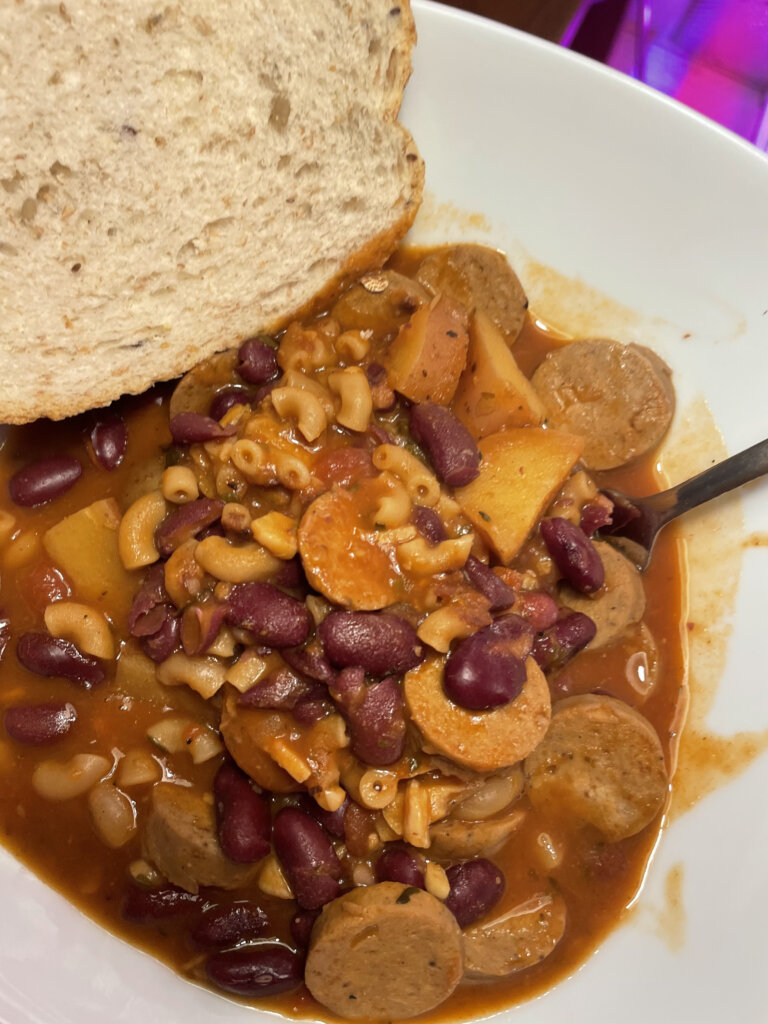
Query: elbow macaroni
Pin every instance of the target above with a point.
(277, 533)
(394, 507)
(201, 674)
(136, 533)
(179, 485)
(422, 485)
(352, 387)
(86, 627)
(302, 406)
(418, 557)
(234, 563)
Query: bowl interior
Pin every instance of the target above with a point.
(625, 216)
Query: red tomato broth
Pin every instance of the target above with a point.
(58, 842)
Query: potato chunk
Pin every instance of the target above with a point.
(84, 546)
(493, 391)
(521, 472)
(427, 357)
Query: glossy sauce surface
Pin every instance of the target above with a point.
(58, 841)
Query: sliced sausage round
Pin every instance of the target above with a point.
(515, 939)
(180, 839)
(614, 396)
(247, 733)
(453, 837)
(384, 952)
(341, 558)
(484, 741)
(601, 762)
(619, 603)
(478, 277)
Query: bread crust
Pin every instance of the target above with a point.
(79, 330)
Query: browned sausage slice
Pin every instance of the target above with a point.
(247, 733)
(601, 762)
(481, 740)
(194, 390)
(452, 837)
(613, 395)
(282, 755)
(340, 555)
(516, 939)
(619, 603)
(180, 839)
(380, 299)
(384, 952)
(479, 278)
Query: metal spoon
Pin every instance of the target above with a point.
(639, 520)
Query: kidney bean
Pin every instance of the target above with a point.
(555, 646)
(380, 642)
(148, 906)
(194, 427)
(537, 608)
(43, 480)
(264, 391)
(429, 524)
(359, 826)
(186, 521)
(41, 585)
(200, 625)
(290, 575)
(451, 448)
(109, 439)
(398, 865)
(500, 594)
(52, 656)
(375, 715)
(276, 618)
(310, 661)
(225, 400)
(574, 554)
(220, 927)
(141, 619)
(301, 926)
(307, 856)
(36, 724)
(378, 434)
(344, 466)
(260, 970)
(596, 515)
(243, 820)
(165, 640)
(311, 709)
(376, 374)
(476, 887)
(487, 669)
(257, 361)
(331, 821)
(279, 690)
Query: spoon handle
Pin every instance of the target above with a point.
(725, 476)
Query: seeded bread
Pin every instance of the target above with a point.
(175, 177)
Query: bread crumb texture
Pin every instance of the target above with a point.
(174, 178)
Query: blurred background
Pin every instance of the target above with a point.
(711, 55)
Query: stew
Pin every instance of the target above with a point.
(317, 678)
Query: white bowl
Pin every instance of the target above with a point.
(623, 193)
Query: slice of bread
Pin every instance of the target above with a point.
(177, 176)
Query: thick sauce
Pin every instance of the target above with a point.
(58, 840)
